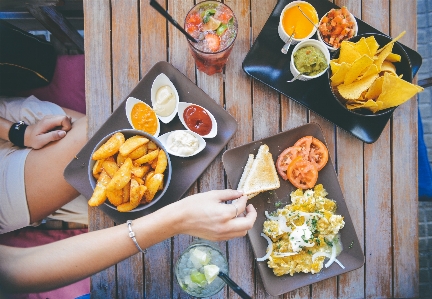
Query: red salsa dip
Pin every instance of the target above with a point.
(197, 120)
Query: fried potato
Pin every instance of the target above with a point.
(99, 193)
(135, 194)
(132, 144)
(139, 180)
(110, 147)
(126, 192)
(126, 207)
(97, 168)
(110, 167)
(140, 171)
(122, 176)
(153, 186)
(153, 163)
(162, 162)
(120, 160)
(146, 158)
(139, 152)
(152, 146)
(115, 196)
(148, 176)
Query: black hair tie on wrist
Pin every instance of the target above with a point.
(16, 133)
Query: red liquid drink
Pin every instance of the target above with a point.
(214, 25)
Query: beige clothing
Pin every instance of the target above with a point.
(14, 213)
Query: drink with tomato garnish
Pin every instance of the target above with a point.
(214, 25)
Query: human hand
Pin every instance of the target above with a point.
(48, 129)
(206, 215)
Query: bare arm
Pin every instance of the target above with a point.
(61, 263)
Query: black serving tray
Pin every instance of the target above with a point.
(266, 63)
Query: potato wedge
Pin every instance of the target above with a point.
(162, 162)
(97, 167)
(132, 144)
(139, 152)
(140, 171)
(99, 193)
(115, 197)
(153, 186)
(120, 160)
(110, 167)
(110, 147)
(126, 192)
(122, 176)
(146, 158)
(126, 207)
(152, 146)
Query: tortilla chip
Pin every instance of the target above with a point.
(372, 45)
(375, 90)
(339, 76)
(362, 47)
(370, 104)
(392, 41)
(387, 66)
(354, 90)
(334, 66)
(396, 91)
(383, 55)
(356, 68)
(348, 53)
(393, 57)
(371, 70)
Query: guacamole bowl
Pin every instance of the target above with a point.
(309, 60)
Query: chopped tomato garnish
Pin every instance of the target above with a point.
(337, 25)
(213, 41)
(194, 19)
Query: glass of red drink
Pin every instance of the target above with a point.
(214, 25)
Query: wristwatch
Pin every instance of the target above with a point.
(16, 133)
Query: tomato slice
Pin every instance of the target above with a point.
(285, 159)
(302, 174)
(318, 154)
(305, 144)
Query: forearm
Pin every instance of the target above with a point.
(5, 126)
(81, 256)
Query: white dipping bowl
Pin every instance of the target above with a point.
(332, 49)
(311, 42)
(284, 35)
(164, 140)
(160, 81)
(181, 109)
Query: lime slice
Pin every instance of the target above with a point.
(202, 257)
(212, 24)
(198, 278)
(210, 272)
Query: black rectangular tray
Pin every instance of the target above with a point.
(185, 171)
(266, 63)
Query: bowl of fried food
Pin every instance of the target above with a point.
(371, 75)
(129, 170)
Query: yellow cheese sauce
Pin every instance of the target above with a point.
(144, 118)
(293, 19)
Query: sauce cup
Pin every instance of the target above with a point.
(181, 113)
(175, 148)
(130, 103)
(311, 42)
(161, 81)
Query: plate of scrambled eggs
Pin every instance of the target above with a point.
(300, 237)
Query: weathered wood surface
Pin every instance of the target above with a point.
(124, 39)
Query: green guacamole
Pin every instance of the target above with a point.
(310, 61)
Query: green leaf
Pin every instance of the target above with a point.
(221, 29)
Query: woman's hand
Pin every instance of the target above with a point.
(48, 129)
(207, 215)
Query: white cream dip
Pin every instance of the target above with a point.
(165, 101)
(182, 143)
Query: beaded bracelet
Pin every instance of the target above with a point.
(132, 236)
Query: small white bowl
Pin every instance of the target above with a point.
(164, 140)
(332, 49)
(283, 34)
(130, 103)
(311, 42)
(181, 108)
(160, 81)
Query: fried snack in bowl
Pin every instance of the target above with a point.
(371, 75)
(129, 170)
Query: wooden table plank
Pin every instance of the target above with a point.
(98, 87)
(404, 161)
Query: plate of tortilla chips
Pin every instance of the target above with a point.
(371, 74)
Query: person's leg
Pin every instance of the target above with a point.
(46, 188)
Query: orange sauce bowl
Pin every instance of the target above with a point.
(142, 117)
(292, 20)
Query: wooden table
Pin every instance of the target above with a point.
(124, 39)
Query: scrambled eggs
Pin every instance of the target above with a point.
(303, 233)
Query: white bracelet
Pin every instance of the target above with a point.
(132, 236)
